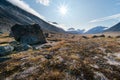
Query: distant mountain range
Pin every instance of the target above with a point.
(11, 14)
(95, 30)
(115, 28)
(73, 31)
(102, 29)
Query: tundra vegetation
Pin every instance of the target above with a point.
(64, 58)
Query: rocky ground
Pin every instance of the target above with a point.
(64, 57)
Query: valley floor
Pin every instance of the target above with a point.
(64, 57)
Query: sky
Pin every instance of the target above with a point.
(79, 14)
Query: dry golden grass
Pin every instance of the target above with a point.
(70, 59)
(5, 39)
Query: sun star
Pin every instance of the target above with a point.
(63, 9)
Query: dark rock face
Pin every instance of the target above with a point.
(46, 34)
(28, 34)
(0, 32)
(11, 14)
(19, 47)
(13, 46)
(5, 50)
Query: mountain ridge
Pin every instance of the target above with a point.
(95, 30)
(11, 15)
(114, 28)
(75, 31)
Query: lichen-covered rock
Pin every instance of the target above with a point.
(5, 50)
(19, 47)
(1, 33)
(28, 34)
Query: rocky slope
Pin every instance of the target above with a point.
(10, 15)
(115, 28)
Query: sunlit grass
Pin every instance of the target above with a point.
(70, 58)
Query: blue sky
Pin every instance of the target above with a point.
(81, 14)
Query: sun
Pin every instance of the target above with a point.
(63, 9)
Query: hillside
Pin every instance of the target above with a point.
(115, 28)
(95, 30)
(10, 15)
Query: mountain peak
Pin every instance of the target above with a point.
(115, 28)
(97, 29)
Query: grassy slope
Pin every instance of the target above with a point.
(73, 58)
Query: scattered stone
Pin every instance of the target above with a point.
(19, 47)
(46, 46)
(85, 37)
(28, 34)
(4, 59)
(117, 36)
(48, 56)
(73, 36)
(1, 33)
(95, 36)
(110, 37)
(60, 59)
(46, 34)
(102, 35)
(5, 50)
(43, 46)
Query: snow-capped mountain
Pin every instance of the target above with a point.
(115, 28)
(74, 31)
(95, 30)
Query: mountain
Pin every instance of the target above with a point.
(73, 31)
(115, 28)
(95, 30)
(11, 15)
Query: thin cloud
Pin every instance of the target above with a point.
(116, 17)
(44, 2)
(21, 4)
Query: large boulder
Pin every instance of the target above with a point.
(28, 34)
(5, 50)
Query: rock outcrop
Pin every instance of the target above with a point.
(5, 50)
(13, 46)
(20, 47)
(28, 34)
